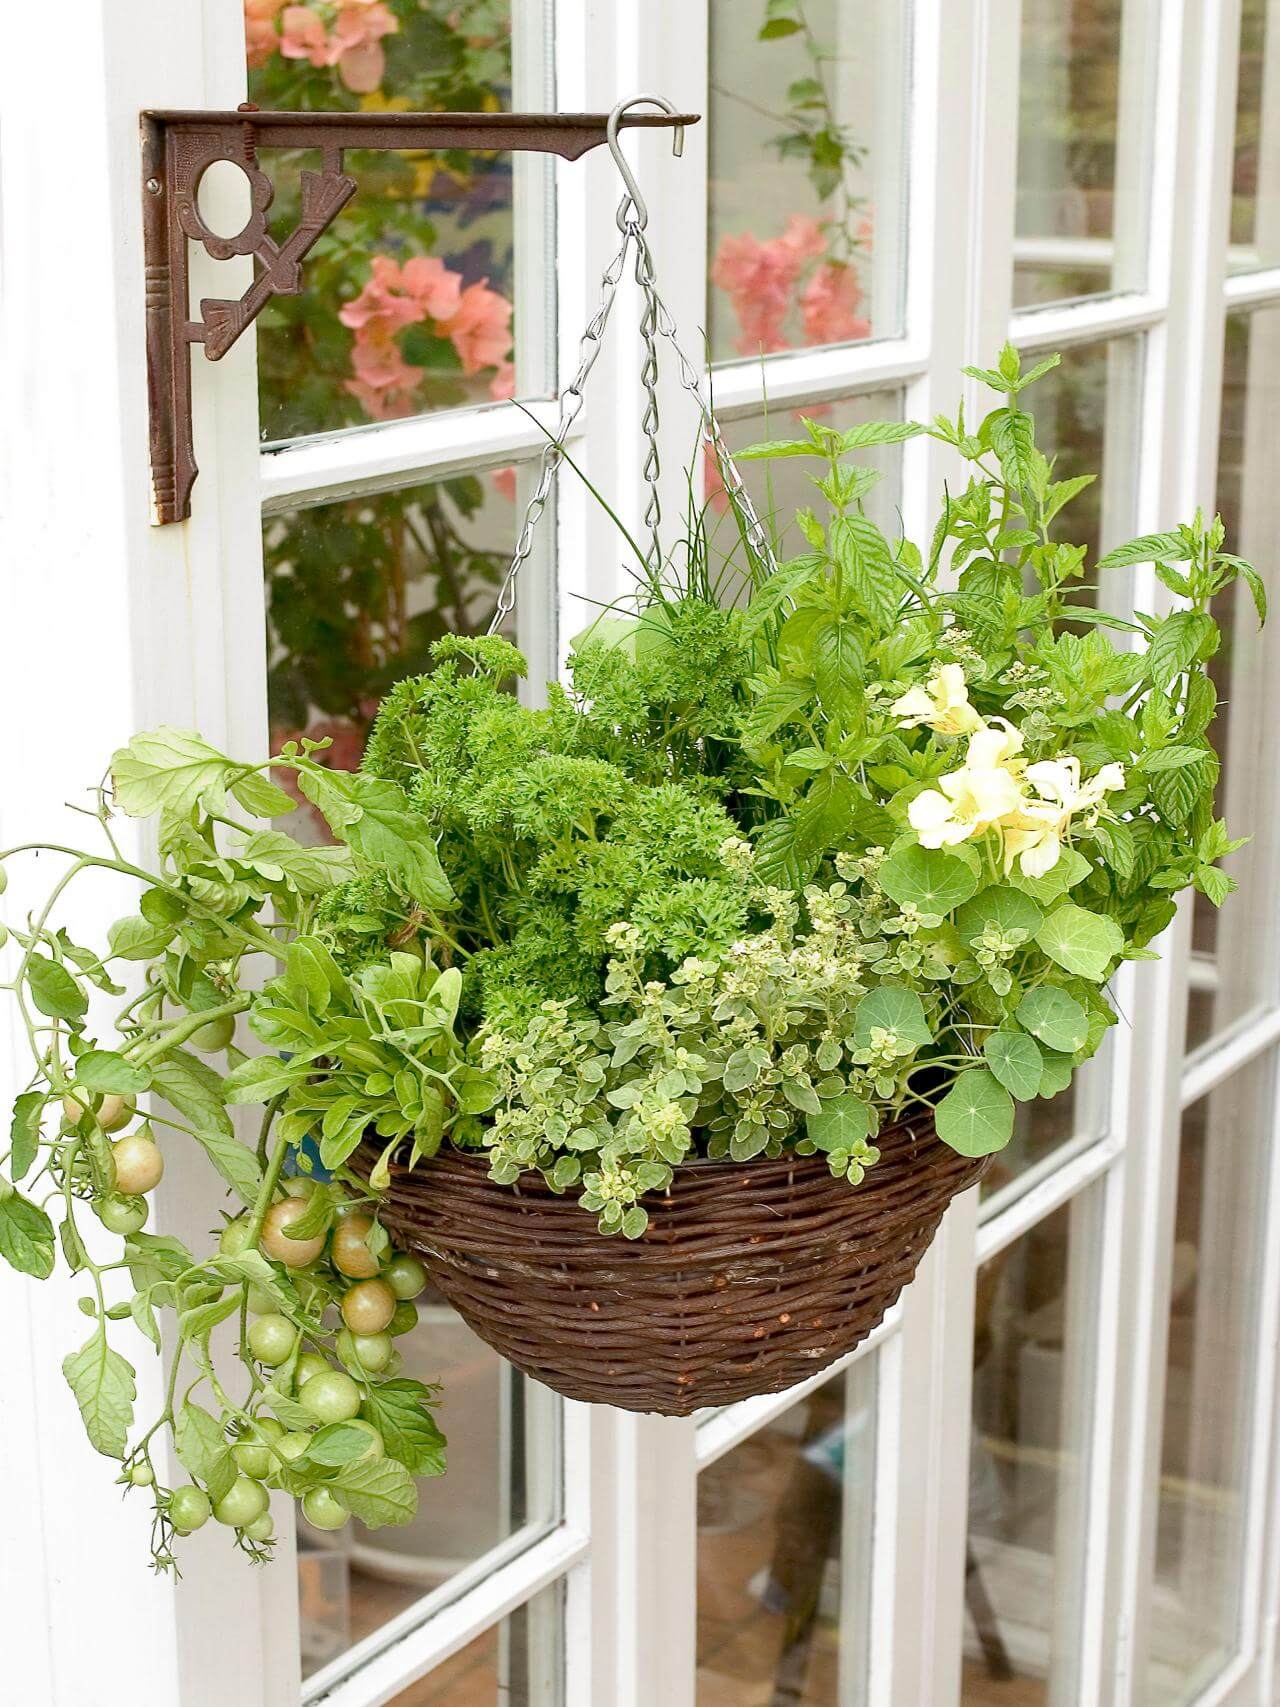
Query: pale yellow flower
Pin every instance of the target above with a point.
(943, 705)
(1036, 836)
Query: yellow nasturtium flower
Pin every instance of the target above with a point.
(943, 705)
(983, 792)
(1035, 836)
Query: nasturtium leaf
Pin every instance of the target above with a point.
(1015, 1060)
(1057, 1073)
(1081, 942)
(1004, 908)
(976, 1116)
(398, 1410)
(1057, 1019)
(53, 990)
(103, 1384)
(891, 1008)
(24, 1132)
(843, 1122)
(104, 1070)
(1070, 868)
(26, 1236)
(379, 1491)
(927, 878)
(170, 769)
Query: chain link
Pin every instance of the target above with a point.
(655, 321)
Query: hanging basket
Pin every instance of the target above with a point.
(750, 1276)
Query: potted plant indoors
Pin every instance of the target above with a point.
(663, 1020)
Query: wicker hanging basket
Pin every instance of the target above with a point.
(750, 1276)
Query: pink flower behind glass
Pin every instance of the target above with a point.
(481, 328)
(504, 483)
(503, 383)
(303, 35)
(356, 44)
(713, 481)
(827, 306)
(260, 37)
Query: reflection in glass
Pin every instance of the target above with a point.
(1209, 1386)
(357, 590)
(1253, 179)
(516, 1664)
(1032, 1378)
(409, 298)
(780, 487)
(784, 1555)
(501, 1476)
(807, 173)
(1081, 151)
(1233, 968)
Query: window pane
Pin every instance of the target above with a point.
(784, 1555)
(357, 591)
(1036, 1306)
(1081, 197)
(805, 128)
(1233, 968)
(409, 296)
(780, 487)
(516, 1664)
(1209, 1386)
(1253, 186)
(501, 1431)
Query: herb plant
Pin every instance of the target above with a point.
(793, 854)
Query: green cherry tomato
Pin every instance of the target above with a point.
(293, 1253)
(254, 1457)
(142, 1475)
(404, 1320)
(261, 1529)
(243, 1501)
(376, 1449)
(309, 1364)
(139, 1164)
(394, 1365)
(368, 1307)
(331, 1398)
(405, 1276)
(188, 1508)
(321, 1509)
(297, 1185)
(215, 1035)
(122, 1214)
(234, 1238)
(368, 1352)
(271, 1339)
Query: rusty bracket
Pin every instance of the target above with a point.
(178, 147)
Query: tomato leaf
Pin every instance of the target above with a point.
(399, 1410)
(103, 1384)
(26, 1236)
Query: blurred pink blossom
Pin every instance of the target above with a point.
(303, 35)
(260, 37)
(356, 44)
(504, 483)
(713, 480)
(827, 306)
(481, 328)
(503, 383)
(384, 382)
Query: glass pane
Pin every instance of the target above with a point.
(1045, 1134)
(1036, 1306)
(516, 1664)
(805, 127)
(779, 488)
(1233, 967)
(409, 299)
(357, 591)
(784, 1555)
(501, 1431)
(1209, 1386)
(1081, 202)
(1253, 184)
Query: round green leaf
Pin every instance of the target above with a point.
(1007, 909)
(1071, 868)
(844, 1121)
(1081, 942)
(891, 1008)
(976, 1115)
(1056, 1018)
(1016, 1061)
(926, 878)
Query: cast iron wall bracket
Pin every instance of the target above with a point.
(177, 149)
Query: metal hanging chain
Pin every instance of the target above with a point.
(655, 321)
